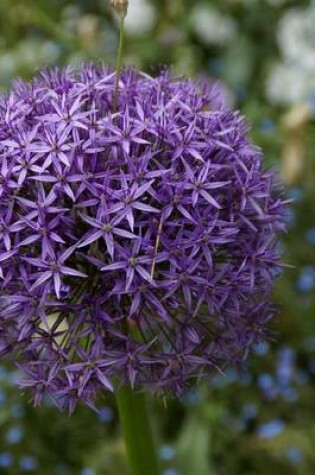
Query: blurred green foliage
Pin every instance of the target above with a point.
(260, 421)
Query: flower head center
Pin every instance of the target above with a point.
(139, 175)
(128, 200)
(107, 228)
(132, 261)
(54, 267)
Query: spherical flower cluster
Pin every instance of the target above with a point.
(137, 246)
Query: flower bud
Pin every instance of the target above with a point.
(121, 6)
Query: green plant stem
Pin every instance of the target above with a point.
(132, 405)
(119, 59)
(134, 418)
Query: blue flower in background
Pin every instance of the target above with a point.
(310, 236)
(290, 217)
(306, 279)
(3, 397)
(87, 471)
(240, 93)
(268, 385)
(296, 194)
(6, 459)
(14, 435)
(285, 365)
(261, 349)
(270, 429)
(266, 381)
(28, 463)
(3, 373)
(250, 411)
(105, 414)
(232, 375)
(294, 455)
(192, 397)
(167, 452)
(267, 125)
(290, 394)
(218, 381)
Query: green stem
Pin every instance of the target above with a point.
(133, 412)
(119, 59)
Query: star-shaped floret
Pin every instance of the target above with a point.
(53, 269)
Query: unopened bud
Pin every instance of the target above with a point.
(121, 6)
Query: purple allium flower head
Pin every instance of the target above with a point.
(136, 247)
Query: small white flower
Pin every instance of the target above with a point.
(296, 36)
(212, 26)
(288, 84)
(140, 18)
(293, 80)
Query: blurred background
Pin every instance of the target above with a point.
(262, 421)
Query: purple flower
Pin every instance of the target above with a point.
(137, 247)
